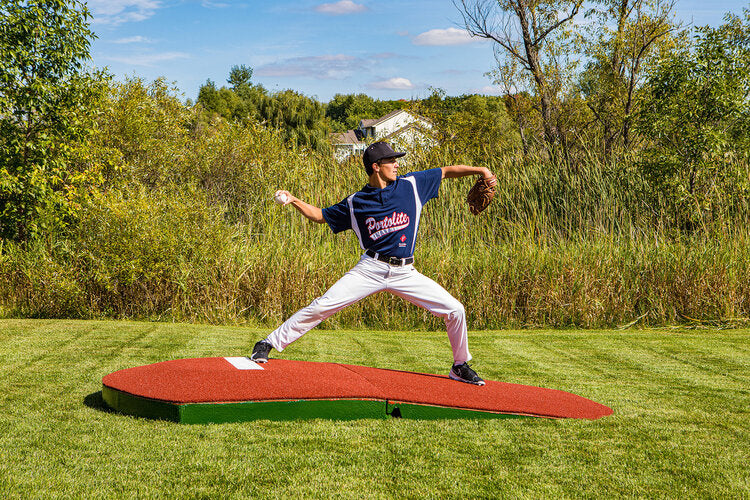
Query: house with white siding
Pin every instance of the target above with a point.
(397, 126)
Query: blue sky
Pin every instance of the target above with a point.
(389, 49)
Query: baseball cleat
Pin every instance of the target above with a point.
(260, 352)
(464, 373)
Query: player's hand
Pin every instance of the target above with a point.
(283, 197)
(489, 177)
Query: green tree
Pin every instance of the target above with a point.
(239, 76)
(299, 118)
(531, 42)
(143, 131)
(628, 38)
(696, 113)
(223, 102)
(44, 98)
(474, 127)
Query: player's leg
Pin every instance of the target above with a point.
(362, 280)
(425, 292)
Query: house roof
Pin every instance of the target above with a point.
(377, 121)
(348, 137)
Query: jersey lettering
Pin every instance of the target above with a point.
(388, 225)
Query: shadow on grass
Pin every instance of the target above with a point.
(95, 401)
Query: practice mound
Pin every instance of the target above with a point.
(214, 390)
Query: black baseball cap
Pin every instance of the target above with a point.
(377, 151)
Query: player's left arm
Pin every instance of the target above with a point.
(454, 171)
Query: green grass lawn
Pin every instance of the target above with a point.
(681, 426)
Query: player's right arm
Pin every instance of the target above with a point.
(312, 212)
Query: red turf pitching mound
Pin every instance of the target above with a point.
(204, 390)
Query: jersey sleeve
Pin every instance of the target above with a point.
(337, 216)
(428, 183)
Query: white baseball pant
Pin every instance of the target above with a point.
(370, 276)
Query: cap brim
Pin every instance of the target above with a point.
(397, 155)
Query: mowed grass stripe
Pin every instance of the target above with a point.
(556, 362)
(718, 356)
(668, 437)
(673, 384)
(662, 358)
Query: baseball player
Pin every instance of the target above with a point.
(385, 217)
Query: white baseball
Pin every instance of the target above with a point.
(280, 198)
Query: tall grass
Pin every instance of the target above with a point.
(190, 232)
(168, 256)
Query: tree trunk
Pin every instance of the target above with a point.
(535, 67)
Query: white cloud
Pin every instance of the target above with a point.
(121, 11)
(488, 90)
(340, 8)
(133, 39)
(209, 4)
(328, 67)
(449, 36)
(149, 59)
(397, 83)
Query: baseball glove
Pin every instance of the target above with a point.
(481, 194)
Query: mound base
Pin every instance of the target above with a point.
(217, 390)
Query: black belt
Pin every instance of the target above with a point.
(394, 261)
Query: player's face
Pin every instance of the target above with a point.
(388, 168)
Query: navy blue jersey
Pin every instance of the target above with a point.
(386, 220)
